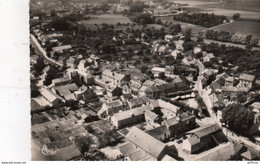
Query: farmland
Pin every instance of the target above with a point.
(195, 28)
(242, 27)
(106, 18)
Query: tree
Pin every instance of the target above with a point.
(83, 144)
(236, 16)
(238, 118)
(51, 74)
(158, 21)
(187, 46)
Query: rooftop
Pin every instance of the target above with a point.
(246, 77)
(145, 142)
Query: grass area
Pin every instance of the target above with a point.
(106, 18)
(242, 27)
(195, 28)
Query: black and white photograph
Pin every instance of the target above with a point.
(144, 80)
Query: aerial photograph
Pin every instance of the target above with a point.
(145, 80)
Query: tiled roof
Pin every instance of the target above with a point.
(172, 121)
(148, 83)
(139, 101)
(145, 142)
(48, 94)
(151, 114)
(133, 112)
(247, 77)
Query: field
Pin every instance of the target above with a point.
(195, 28)
(249, 9)
(242, 27)
(106, 18)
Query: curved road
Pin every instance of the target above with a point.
(40, 51)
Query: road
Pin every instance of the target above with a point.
(40, 51)
(202, 92)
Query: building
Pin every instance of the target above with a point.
(51, 97)
(203, 138)
(150, 145)
(61, 81)
(110, 108)
(66, 91)
(114, 78)
(229, 81)
(246, 80)
(169, 70)
(157, 70)
(129, 117)
(177, 126)
(137, 102)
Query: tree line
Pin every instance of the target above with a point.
(201, 19)
(225, 36)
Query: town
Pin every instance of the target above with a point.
(120, 80)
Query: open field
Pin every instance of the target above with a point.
(249, 9)
(242, 27)
(229, 13)
(195, 28)
(106, 18)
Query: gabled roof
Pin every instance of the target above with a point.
(205, 130)
(139, 101)
(157, 131)
(71, 87)
(49, 95)
(249, 155)
(148, 83)
(61, 80)
(158, 69)
(246, 77)
(107, 72)
(150, 114)
(119, 76)
(172, 121)
(127, 149)
(159, 81)
(131, 113)
(193, 140)
(114, 104)
(145, 142)
(138, 155)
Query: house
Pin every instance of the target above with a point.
(115, 91)
(168, 38)
(180, 124)
(88, 94)
(148, 83)
(66, 91)
(135, 87)
(159, 81)
(157, 70)
(196, 49)
(175, 53)
(203, 137)
(114, 78)
(208, 57)
(126, 97)
(51, 97)
(129, 117)
(147, 143)
(61, 81)
(179, 44)
(216, 100)
(61, 49)
(229, 81)
(246, 80)
(151, 117)
(110, 108)
(34, 59)
(249, 156)
(137, 102)
(169, 70)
